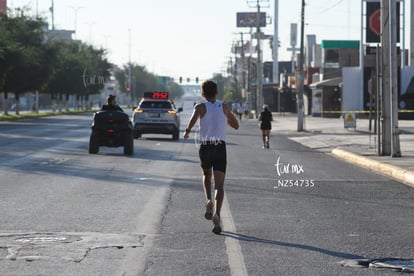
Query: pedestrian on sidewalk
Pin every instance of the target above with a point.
(214, 116)
(239, 110)
(265, 119)
(246, 110)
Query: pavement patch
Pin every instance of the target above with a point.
(67, 246)
(400, 265)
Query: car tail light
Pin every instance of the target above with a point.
(110, 131)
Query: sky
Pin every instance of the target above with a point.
(191, 38)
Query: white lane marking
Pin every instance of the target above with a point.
(233, 249)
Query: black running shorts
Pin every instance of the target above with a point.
(265, 126)
(213, 155)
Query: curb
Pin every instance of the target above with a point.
(397, 173)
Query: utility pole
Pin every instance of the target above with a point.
(259, 66)
(293, 43)
(259, 81)
(129, 67)
(236, 84)
(412, 33)
(243, 57)
(300, 77)
(52, 11)
(276, 45)
(395, 132)
(390, 131)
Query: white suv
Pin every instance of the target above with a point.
(156, 114)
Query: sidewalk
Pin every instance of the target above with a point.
(42, 112)
(358, 146)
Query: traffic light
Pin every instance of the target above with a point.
(196, 79)
(181, 79)
(128, 89)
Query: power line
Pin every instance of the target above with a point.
(331, 7)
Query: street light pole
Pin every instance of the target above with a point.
(90, 31)
(75, 10)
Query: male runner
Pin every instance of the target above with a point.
(214, 116)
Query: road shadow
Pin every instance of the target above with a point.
(246, 238)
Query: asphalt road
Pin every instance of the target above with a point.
(289, 210)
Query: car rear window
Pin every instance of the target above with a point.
(155, 104)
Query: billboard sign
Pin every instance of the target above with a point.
(249, 19)
(373, 22)
(293, 34)
(3, 7)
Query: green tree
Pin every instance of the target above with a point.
(144, 81)
(29, 62)
(226, 91)
(96, 71)
(80, 70)
(21, 56)
(176, 91)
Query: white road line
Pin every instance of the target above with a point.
(233, 249)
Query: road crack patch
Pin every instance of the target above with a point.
(68, 246)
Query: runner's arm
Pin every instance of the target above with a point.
(231, 120)
(193, 120)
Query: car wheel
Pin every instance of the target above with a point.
(176, 134)
(93, 145)
(128, 145)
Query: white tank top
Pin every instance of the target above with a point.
(213, 123)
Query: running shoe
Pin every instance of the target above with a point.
(217, 224)
(209, 210)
